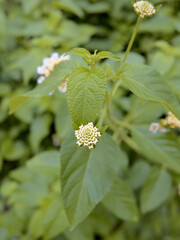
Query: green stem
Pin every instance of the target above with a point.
(117, 82)
(132, 39)
(102, 116)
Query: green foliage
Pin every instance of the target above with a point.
(127, 186)
(145, 82)
(121, 202)
(155, 190)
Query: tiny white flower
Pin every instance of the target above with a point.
(63, 87)
(154, 127)
(87, 135)
(42, 70)
(40, 79)
(55, 55)
(63, 58)
(144, 8)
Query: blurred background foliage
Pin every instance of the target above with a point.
(30, 202)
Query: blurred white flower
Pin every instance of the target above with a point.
(154, 127)
(63, 86)
(144, 8)
(87, 135)
(48, 66)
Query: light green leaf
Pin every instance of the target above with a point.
(137, 174)
(16, 102)
(85, 94)
(147, 83)
(69, 5)
(46, 163)
(80, 52)
(156, 189)
(39, 130)
(161, 148)
(106, 54)
(121, 202)
(50, 219)
(86, 175)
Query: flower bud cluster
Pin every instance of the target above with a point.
(171, 121)
(144, 9)
(87, 135)
(48, 66)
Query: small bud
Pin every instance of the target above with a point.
(144, 9)
(87, 135)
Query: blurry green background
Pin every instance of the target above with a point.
(30, 202)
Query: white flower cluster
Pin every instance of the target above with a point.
(144, 8)
(48, 66)
(87, 135)
(170, 121)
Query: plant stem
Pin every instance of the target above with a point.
(117, 82)
(132, 39)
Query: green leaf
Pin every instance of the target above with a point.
(16, 102)
(69, 5)
(161, 148)
(121, 202)
(85, 94)
(86, 175)
(145, 82)
(39, 130)
(106, 54)
(138, 174)
(46, 163)
(80, 52)
(156, 189)
(50, 219)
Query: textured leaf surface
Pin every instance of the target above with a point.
(146, 82)
(106, 54)
(85, 93)
(80, 52)
(156, 189)
(160, 148)
(86, 175)
(121, 202)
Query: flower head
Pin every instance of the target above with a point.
(144, 8)
(87, 135)
(154, 127)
